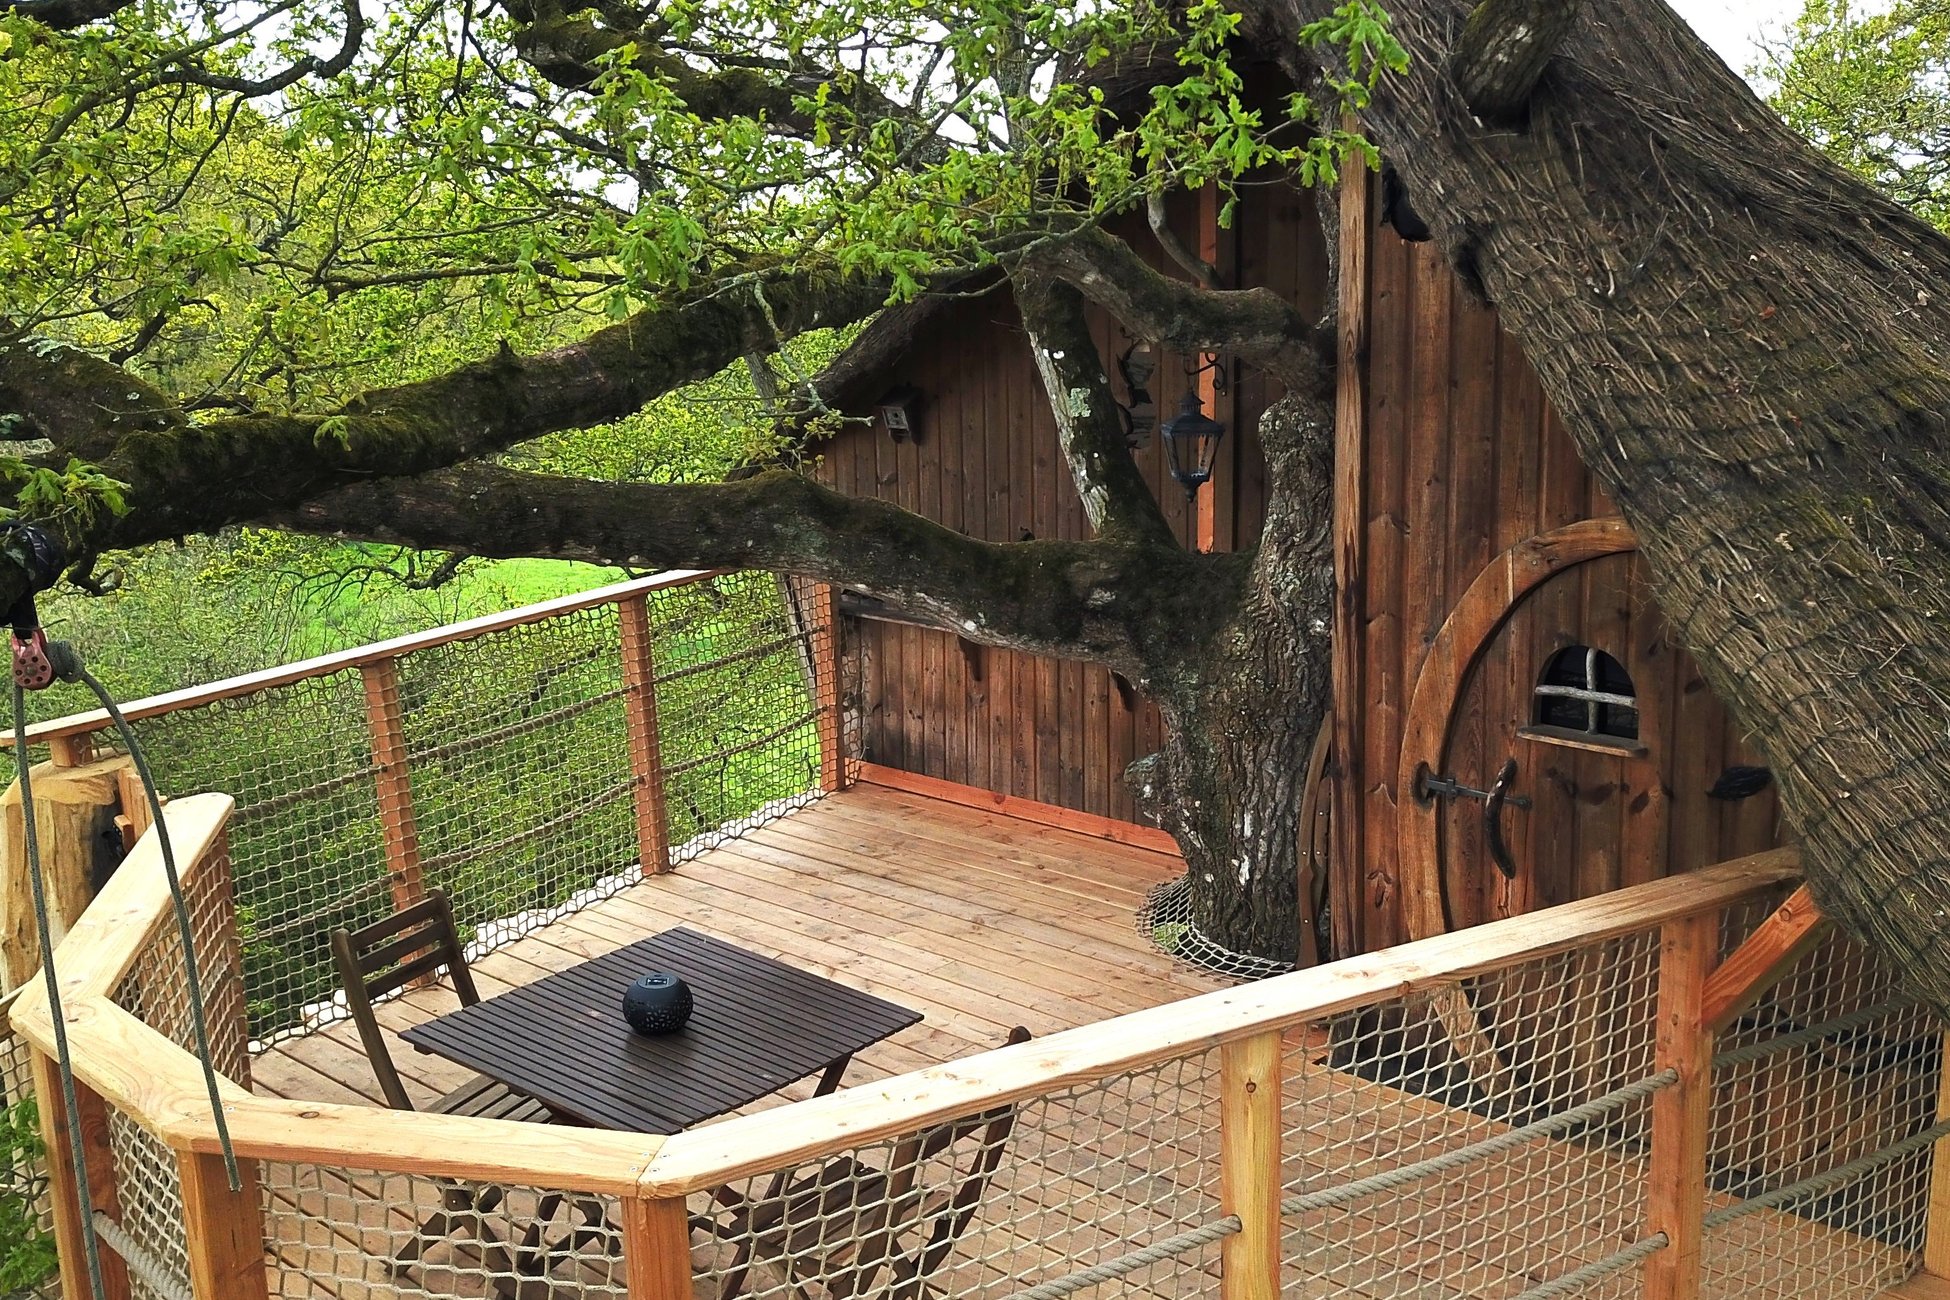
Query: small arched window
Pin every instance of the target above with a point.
(1585, 694)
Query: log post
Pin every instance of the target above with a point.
(224, 1229)
(1676, 1191)
(1249, 1166)
(73, 1196)
(74, 816)
(646, 747)
(828, 692)
(386, 724)
(657, 1248)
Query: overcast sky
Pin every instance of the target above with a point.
(1732, 26)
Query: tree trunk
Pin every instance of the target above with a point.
(1749, 348)
(1242, 708)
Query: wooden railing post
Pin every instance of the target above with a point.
(1936, 1228)
(1676, 1176)
(827, 635)
(1249, 1166)
(74, 814)
(72, 1197)
(657, 1248)
(386, 723)
(224, 1229)
(646, 748)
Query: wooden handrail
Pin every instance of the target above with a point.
(231, 688)
(160, 1086)
(786, 1136)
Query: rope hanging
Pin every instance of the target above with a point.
(38, 663)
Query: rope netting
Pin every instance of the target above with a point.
(518, 759)
(1009, 1202)
(1480, 1138)
(383, 1235)
(1825, 1093)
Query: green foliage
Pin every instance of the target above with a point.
(1870, 86)
(27, 1257)
(437, 197)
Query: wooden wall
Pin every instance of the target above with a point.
(1448, 457)
(987, 464)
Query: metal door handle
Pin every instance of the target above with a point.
(1493, 800)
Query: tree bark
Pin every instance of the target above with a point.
(1749, 348)
(1241, 710)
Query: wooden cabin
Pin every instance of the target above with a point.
(1453, 477)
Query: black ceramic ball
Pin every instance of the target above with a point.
(657, 1003)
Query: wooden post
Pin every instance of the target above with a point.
(77, 750)
(386, 724)
(74, 816)
(1249, 1166)
(828, 695)
(225, 1229)
(646, 748)
(1676, 1191)
(64, 1188)
(657, 1248)
(1936, 1229)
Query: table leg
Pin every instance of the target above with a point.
(831, 1079)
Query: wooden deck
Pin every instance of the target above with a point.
(983, 922)
(978, 920)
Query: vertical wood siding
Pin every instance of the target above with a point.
(1456, 457)
(987, 465)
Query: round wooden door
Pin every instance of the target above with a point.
(1527, 775)
(1558, 745)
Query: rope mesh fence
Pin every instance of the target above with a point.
(378, 1236)
(1109, 1188)
(518, 756)
(1833, 1071)
(149, 1209)
(26, 1215)
(1477, 1139)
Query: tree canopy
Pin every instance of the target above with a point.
(327, 265)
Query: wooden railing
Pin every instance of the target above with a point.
(1272, 1047)
(576, 690)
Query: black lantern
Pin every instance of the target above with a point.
(1194, 441)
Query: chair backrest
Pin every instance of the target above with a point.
(993, 1127)
(412, 944)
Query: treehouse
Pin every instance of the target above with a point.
(1562, 1023)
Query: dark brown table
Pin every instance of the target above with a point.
(758, 1025)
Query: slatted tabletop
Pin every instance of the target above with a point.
(759, 1024)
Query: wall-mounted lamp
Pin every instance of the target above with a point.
(1193, 438)
(900, 413)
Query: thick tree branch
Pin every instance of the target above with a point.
(1093, 600)
(568, 46)
(186, 476)
(1255, 325)
(1158, 216)
(1089, 425)
(64, 15)
(1504, 49)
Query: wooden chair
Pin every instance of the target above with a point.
(416, 943)
(847, 1223)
